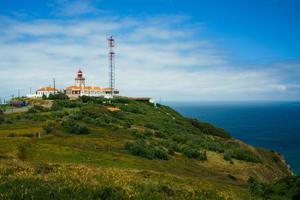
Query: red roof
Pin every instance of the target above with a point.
(92, 88)
(73, 88)
(47, 89)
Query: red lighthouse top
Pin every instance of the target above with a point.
(79, 74)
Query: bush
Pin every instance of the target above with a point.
(180, 138)
(110, 193)
(22, 152)
(37, 108)
(284, 189)
(194, 153)
(93, 111)
(120, 100)
(151, 126)
(160, 134)
(58, 95)
(74, 127)
(8, 121)
(2, 118)
(133, 109)
(213, 145)
(95, 100)
(36, 117)
(227, 155)
(58, 114)
(138, 134)
(49, 127)
(102, 121)
(68, 103)
(232, 177)
(209, 129)
(242, 154)
(56, 106)
(140, 148)
(161, 154)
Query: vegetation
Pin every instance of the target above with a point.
(93, 148)
(241, 154)
(283, 189)
(140, 148)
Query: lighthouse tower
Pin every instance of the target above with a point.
(80, 80)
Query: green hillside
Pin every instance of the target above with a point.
(94, 149)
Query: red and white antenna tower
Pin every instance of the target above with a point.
(111, 55)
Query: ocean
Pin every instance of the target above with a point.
(271, 125)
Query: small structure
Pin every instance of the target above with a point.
(80, 89)
(144, 99)
(43, 91)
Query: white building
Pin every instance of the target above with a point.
(43, 91)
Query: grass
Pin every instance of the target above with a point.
(174, 169)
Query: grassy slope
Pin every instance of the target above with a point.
(99, 159)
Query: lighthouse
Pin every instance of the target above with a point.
(80, 80)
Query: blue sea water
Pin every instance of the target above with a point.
(272, 125)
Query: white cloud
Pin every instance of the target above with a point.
(154, 58)
(72, 8)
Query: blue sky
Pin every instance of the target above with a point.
(169, 49)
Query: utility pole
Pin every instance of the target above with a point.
(18, 93)
(54, 85)
(12, 107)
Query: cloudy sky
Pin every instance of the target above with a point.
(170, 49)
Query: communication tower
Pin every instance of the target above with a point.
(111, 56)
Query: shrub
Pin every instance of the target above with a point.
(49, 127)
(138, 134)
(179, 138)
(56, 106)
(213, 145)
(2, 119)
(133, 109)
(95, 100)
(287, 188)
(58, 114)
(256, 188)
(160, 153)
(120, 100)
(8, 121)
(232, 177)
(68, 103)
(171, 146)
(194, 153)
(242, 154)
(74, 127)
(102, 121)
(37, 117)
(37, 108)
(151, 126)
(22, 152)
(110, 193)
(227, 156)
(58, 95)
(93, 111)
(140, 148)
(161, 134)
(209, 129)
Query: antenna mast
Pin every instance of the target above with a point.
(111, 55)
